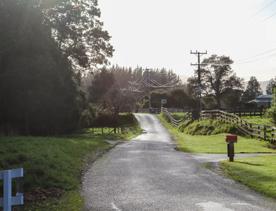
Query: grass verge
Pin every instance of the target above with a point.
(259, 173)
(54, 165)
(258, 120)
(213, 143)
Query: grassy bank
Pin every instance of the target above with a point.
(259, 120)
(213, 143)
(259, 173)
(54, 165)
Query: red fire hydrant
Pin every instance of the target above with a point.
(231, 139)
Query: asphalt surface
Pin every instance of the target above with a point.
(148, 174)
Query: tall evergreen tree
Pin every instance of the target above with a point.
(252, 90)
(38, 94)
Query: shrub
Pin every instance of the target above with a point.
(272, 111)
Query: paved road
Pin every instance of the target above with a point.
(148, 174)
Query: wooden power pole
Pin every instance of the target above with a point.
(198, 64)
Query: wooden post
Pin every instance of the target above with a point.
(272, 135)
(265, 131)
(251, 129)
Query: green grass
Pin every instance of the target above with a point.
(259, 173)
(207, 127)
(71, 201)
(214, 143)
(53, 166)
(49, 163)
(258, 120)
(178, 115)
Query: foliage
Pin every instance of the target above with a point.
(176, 98)
(109, 88)
(107, 95)
(102, 82)
(217, 77)
(259, 173)
(270, 86)
(272, 111)
(252, 90)
(38, 93)
(77, 28)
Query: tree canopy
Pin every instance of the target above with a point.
(252, 90)
(77, 28)
(270, 86)
(42, 46)
(217, 78)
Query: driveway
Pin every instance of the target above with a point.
(148, 174)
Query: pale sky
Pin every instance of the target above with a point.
(161, 33)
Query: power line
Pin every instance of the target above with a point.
(256, 56)
(265, 7)
(258, 59)
(269, 17)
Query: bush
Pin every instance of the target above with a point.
(271, 113)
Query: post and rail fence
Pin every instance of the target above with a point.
(262, 132)
(174, 121)
(8, 200)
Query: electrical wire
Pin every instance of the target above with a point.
(265, 7)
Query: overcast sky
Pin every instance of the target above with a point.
(161, 33)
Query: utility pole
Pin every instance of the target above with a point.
(148, 88)
(198, 64)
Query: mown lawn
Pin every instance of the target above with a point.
(214, 143)
(258, 120)
(259, 173)
(53, 166)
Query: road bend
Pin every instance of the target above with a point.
(149, 174)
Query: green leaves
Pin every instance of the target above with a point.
(79, 32)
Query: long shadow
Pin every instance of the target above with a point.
(247, 163)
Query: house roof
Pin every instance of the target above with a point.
(262, 99)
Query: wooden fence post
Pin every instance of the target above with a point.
(265, 133)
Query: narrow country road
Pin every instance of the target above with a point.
(148, 174)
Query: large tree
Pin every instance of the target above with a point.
(218, 77)
(79, 32)
(252, 90)
(38, 94)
